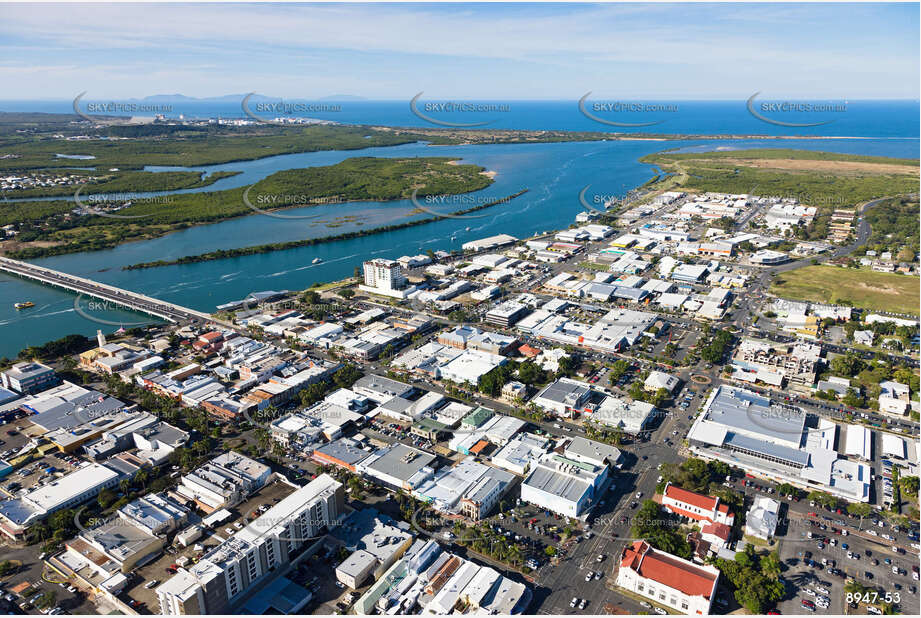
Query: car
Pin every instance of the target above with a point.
(589, 576)
(599, 558)
(151, 584)
(821, 589)
(660, 611)
(72, 589)
(809, 591)
(639, 495)
(583, 603)
(574, 602)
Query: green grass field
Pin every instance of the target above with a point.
(862, 288)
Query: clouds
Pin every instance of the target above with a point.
(471, 51)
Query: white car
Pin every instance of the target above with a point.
(151, 584)
(810, 592)
(583, 603)
(589, 576)
(574, 602)
(821, 589)
(661, 611)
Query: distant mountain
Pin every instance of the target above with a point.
(181, 97)
(162, 98)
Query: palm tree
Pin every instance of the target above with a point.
(141, 477)
(125, 486)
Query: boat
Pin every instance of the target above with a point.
(24, 305)
(317, 260)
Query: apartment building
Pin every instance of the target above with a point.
(224, 481)
(220, 581)
(771, 363)
(385, 277)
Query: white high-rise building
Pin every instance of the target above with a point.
(220, 580)
(385, 277)
(385, 274)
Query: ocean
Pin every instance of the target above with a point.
(554, 173)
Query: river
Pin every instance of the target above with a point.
(555, 174)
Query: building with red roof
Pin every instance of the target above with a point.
(716, 534)
(696, 507)
(667, 580)
(529, 351)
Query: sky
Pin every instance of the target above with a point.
(461, 51)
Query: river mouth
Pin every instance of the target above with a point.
(554, 173)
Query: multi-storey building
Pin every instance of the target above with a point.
(696, 507)
(219, 582)
(29, 377)
(667, 580)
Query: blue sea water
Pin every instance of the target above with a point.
(858, 118)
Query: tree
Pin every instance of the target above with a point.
(618, 369)
(48, 598)
(105, 498)
(859, 509)
(660, 529)
(6, 567)
(346, 293)
(909, 485)
(847, 365)
(530, 373)
(659, 397)
(853, 399)
(310, 297)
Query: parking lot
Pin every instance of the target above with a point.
(144, 598)
(43, 579)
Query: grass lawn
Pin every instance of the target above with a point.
(863, 288)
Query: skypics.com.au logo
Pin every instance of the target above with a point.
(108, 204)
(462, 205)
(117, 108)
(285, 112)
(771, 112)
(94, 310)
(425, 110)
(260, 202)
(614, 113)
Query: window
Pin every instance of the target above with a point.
(684, 605)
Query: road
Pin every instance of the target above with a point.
(107, 293)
